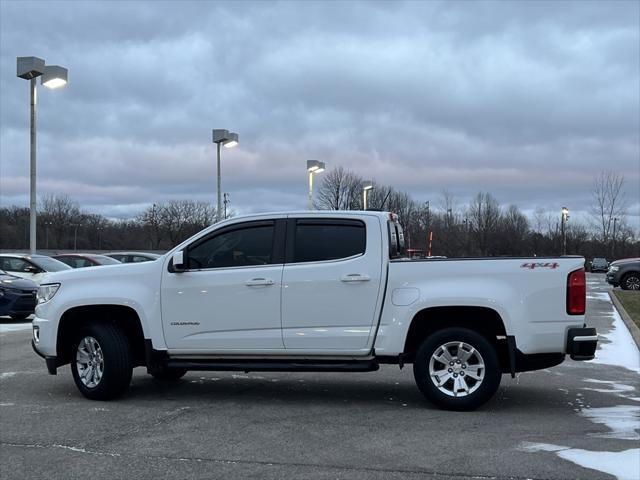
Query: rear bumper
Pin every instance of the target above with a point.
(582, 343)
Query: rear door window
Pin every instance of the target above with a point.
(320, 240)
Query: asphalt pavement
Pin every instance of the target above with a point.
(575, 421)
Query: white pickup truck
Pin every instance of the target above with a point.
(314, 292)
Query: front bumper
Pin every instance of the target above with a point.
(612, 280)
(582, 343)
(52, 362)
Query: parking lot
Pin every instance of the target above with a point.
(577, 420)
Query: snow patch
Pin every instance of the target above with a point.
(598, 296)
(7, 375)
(618, 388)
(620, 350)
(622, 420)
(14, 327)
(624, 465)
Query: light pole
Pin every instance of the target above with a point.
(229, 140)
(613, 242)
(367, 186)
(53, 76)
(565, 217)
(313, 166)
(75, 236)
(46, 234)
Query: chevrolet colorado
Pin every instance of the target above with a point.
(314, 292)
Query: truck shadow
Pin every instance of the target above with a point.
(247, 391)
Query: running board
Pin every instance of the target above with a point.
(266, 366)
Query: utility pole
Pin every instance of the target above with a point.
(226, 202)
(428, 224)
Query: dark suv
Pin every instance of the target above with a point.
(17, 296)
(625, 274)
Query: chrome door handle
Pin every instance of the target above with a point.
(355, 277)
(257, 282)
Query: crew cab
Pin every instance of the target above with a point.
(314, 292)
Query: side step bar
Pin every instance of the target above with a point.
(276, 366)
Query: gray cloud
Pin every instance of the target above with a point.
(529, 100)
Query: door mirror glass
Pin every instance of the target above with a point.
(177, 261)
(32, 269)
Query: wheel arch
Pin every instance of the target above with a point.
(124, 317)
(483, 320)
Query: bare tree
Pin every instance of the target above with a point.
(609, 203)
(340, 190)
(484, 216)
(61, 215)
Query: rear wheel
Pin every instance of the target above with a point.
(101, 362)
(631, 281)
(457, 369)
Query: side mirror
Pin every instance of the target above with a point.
(31, 269)
(177, 261)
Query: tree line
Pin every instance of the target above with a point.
(63, 225)
(444, 226)
(483, 227)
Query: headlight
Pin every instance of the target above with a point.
(46, 292)
(614, 269)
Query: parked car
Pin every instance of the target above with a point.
(625, 274)
(31, 267)
(81, 260)
(315, 292)
(133, 257)
(599, 264)
(17, 296)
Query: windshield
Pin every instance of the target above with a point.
(50, 264)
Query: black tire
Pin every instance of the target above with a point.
(116, 360)
(631, 281)
(165, 374)
(19, 316)
(479, 391)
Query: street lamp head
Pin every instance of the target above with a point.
(315, 166)
(565, 210)
(224, 137)
(367, 185)
(29, 67)
(54, 76)
(232, 141)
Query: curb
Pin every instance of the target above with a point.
(631, 326)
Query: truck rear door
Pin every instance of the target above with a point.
(332, 280)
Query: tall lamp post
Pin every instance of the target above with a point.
(367, 186)
(313, 167)
(565, 217)
(613, 242)
(228, 140)
(52, 76)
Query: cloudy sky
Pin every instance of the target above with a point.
(527, 100)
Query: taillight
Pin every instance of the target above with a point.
(576, 292)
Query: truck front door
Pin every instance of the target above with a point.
(228, 299)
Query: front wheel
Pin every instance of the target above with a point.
(631, 281)
(457, 369)
(101, 362)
